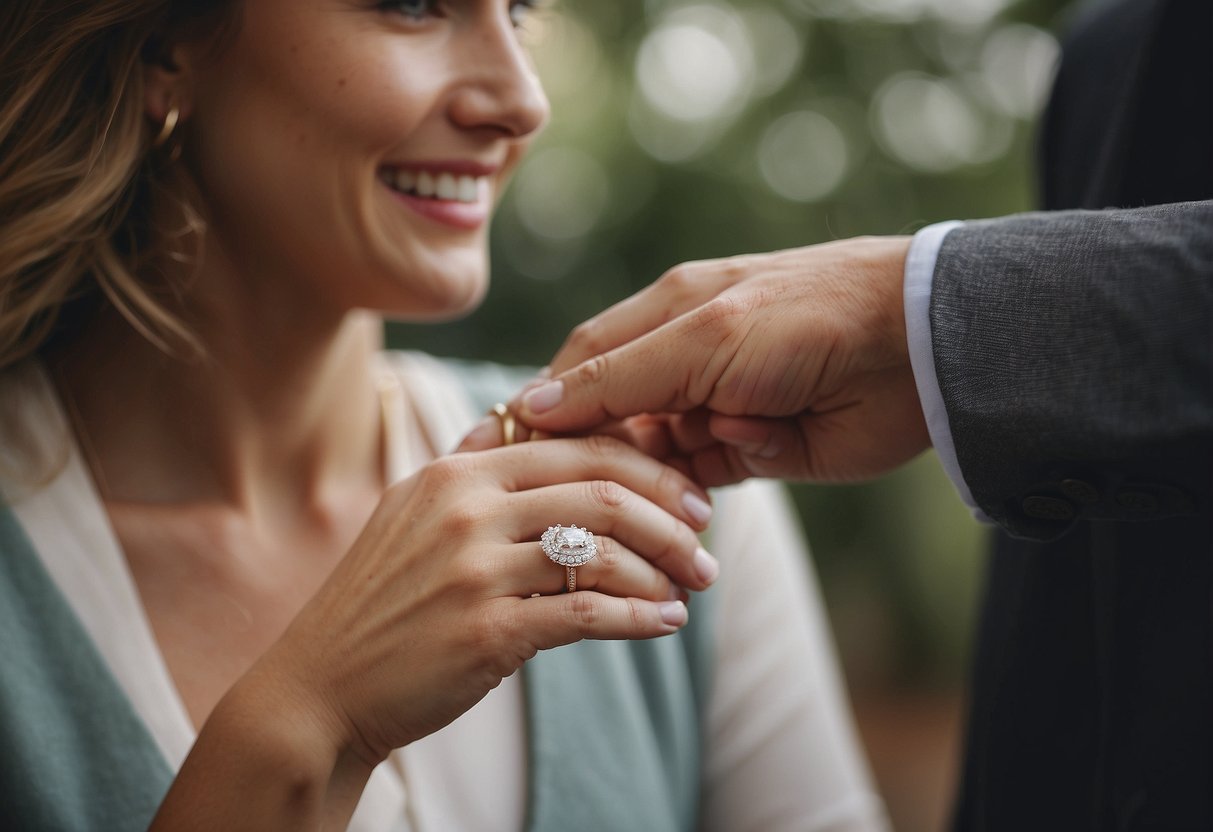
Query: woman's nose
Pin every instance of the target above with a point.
(500, 89)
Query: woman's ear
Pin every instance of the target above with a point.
(167, 81)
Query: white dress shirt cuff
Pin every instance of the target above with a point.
(919, 275)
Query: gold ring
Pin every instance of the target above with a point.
(507, 423)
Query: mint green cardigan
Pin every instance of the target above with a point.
(614, 727)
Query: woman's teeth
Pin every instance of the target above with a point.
(446, 186)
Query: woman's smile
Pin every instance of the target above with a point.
(453, 193)
(349, 156)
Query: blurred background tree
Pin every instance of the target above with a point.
(685, 130)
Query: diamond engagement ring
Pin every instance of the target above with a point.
(570, 547)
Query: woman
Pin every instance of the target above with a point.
(242, 588)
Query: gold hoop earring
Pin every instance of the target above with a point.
(170, 124)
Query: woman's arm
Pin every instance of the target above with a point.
(266, 760)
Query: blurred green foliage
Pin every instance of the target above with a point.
(691, 130)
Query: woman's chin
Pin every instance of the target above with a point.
(440, 301)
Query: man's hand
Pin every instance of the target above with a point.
(792, 364)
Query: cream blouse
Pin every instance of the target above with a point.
(781, 752)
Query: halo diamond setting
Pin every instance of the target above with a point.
(569, 545)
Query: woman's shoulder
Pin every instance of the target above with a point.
(34, 437)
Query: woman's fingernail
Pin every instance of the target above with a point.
(484, 435)
(544, 397)
(706, 566)
(697, 507)
(673, 613)
(675, 593)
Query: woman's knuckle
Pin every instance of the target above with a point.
(506, 629)
(671, 482)
(477, 571)
(461, 521)
(585, 609)
(447, 471)
(483, 635)
(610, 554)
(609, 495)
(636, 615)
(680, 539)
(599, 447)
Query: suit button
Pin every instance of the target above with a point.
(1080, 491)
(1136, 501)
(1042, 507)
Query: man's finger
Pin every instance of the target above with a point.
(644, 376)
(681, 289)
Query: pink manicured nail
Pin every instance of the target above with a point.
(706, 566)
(544, 398)
(673, 613)
(695, 506)
(486, 434)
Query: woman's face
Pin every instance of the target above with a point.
(354, 149)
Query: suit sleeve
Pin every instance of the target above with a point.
(1074, 353)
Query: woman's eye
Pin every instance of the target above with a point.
(412, 9)
(520, 10)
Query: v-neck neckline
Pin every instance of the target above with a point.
(91, 571)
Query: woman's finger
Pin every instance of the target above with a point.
(538, 464)
(494, 430)
(607, 508)
(555, 620)
(615, 570)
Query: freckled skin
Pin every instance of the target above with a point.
(356, 88)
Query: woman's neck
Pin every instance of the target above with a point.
(280, 419)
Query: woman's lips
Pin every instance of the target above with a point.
(457, 199)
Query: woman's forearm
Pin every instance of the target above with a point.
(265, 761)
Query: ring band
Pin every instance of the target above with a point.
(569, 546)
(507, 423)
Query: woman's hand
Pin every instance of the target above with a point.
(432, 607)
(429, 611)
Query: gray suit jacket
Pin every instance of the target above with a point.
(1075, 354)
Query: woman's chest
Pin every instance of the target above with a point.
(217, 594)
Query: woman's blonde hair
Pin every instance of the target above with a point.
(79, 182)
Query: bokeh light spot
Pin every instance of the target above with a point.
(561, 193)
(926, 123)
(803, 156)
(1018, 62)
(688, 73)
